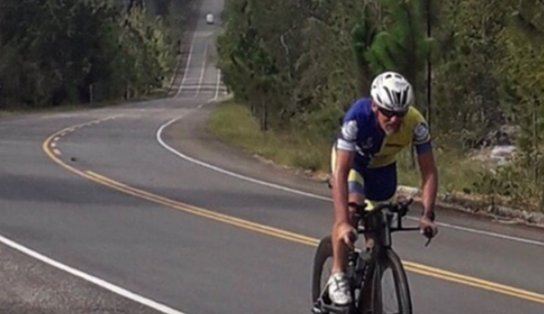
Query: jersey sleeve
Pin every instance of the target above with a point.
(421, 135)
(347, 138)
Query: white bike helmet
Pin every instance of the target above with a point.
(391, 91)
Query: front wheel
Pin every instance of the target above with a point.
(391, 293)
(322, 267)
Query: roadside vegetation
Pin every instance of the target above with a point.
(54, 53)
(295, 67)
(233, 123)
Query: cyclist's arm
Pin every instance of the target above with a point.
(429, 182)
(427, 166)
(344, 161)
(345, 155)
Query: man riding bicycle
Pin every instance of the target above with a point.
(374, 131)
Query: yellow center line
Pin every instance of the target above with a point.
(473, 282)
(203, 212)
(283, 234)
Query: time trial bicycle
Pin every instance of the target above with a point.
(376, 276)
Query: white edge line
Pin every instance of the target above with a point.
(283, 188)
(233, 174)
(217, 85)
(493, 234)
(95, 280)
(174, 74)
(186, 67)
(202, 71)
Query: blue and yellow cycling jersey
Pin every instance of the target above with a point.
(361, 132)
(374, 171)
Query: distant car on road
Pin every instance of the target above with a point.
(209, 18)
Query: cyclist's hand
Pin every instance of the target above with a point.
(347, 233)
(427, 227)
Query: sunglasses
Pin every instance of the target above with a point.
(391, 114)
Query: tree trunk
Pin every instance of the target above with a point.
(264, 115)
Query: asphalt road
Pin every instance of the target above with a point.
(136, 209)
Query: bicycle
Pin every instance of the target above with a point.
(367, 269)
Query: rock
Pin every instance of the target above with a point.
(504, 136)
(502, 154)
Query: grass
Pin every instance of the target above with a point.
(233, 124)
(455, 171)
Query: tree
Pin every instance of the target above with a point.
(523, 68)
(465, 77)
(401, 44)
(76, 45)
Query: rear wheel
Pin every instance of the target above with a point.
(322, 267)
(391, 293)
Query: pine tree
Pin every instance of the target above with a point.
(401, 44)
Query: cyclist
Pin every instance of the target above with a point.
(374, 131)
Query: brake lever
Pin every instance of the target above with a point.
(428, 233)
(428, 242)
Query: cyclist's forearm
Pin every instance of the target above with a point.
(429, 189)
(340, 197)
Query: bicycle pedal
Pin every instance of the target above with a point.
(336, 309)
